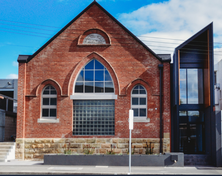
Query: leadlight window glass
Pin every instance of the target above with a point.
(94, 39)
(139, 101)
(94, 78)
(49, 102)
(93, 117)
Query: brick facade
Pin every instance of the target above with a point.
(59, 62)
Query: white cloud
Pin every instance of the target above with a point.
(217, 55)
(15, 64)
(175, 15)
(12, 76)
(164, 42)
(175, 19)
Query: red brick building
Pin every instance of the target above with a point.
(77, 89)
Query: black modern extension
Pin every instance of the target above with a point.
(192, 101)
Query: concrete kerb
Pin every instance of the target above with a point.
(18, 167)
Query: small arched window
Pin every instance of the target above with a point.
(94, 39)
(49, 102)
(139, 101)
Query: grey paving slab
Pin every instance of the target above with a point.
(17, 167)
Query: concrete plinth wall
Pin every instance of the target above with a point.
(35, 149)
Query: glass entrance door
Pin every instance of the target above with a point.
(191, 129)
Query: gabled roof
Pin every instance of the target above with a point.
(208, 27)
(24, 59)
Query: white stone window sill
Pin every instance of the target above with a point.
(138, 119)
(48, 120)
(95, 96)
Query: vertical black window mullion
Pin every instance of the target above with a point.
(186, 88)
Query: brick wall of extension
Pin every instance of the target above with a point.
(59, 63)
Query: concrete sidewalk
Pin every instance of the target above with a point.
(18, 167)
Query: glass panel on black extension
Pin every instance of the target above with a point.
(183, 97)
(191, 86)
(93, 117)
(191, 132)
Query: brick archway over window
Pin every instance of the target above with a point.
(141, 82)
(83, 62)
(49, 82)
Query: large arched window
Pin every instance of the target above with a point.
(49, 102)
(94, 78)
(94, 101)
(139, 101)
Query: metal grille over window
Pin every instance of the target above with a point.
(94, 78)
(93, 117)
(49, 102)
(139, 101)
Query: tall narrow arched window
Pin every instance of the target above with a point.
(49, 102)
(139, 102)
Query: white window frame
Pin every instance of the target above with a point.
(140, 118)
(48, 119)
(94, 95)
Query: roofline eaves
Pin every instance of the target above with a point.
(73, 20)
(208, 27)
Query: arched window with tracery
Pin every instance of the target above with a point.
(94, 101)
(94, 78)
(49, 102)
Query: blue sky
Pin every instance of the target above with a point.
(25, 25)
